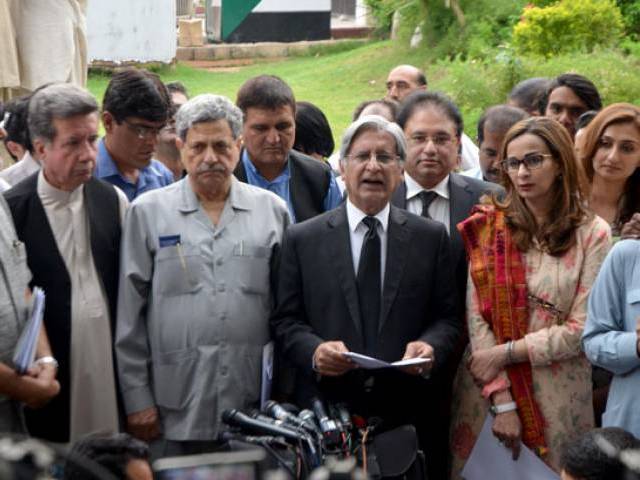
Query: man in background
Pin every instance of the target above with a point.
(268, 159)
(166, 150)
(567, 97)
(135, 108)
(492, 127)
(402, 81)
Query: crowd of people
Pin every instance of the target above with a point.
(195, 231)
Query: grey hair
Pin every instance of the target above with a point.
(378, 124)
(58, 100)
(208, 108)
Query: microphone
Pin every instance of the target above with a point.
(227, 436)
(236, 418)
(344, 416)
(328, 426)
(309, 418)
(279, 413)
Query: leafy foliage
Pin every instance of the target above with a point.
(568, 25)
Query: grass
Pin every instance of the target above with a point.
(337, 81)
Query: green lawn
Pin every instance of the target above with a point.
(338, 81)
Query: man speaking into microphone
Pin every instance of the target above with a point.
(372, 279)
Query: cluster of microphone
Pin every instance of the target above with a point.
(316, 433)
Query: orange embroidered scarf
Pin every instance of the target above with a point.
(498, 273)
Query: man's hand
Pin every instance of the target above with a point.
(508, 429)
(631, 229)
(144, 424)
(40, 386)
(485, 365)
(328, 359)
(419, 349)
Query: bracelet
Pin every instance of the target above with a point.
(503, 408)
(510, 345)
(47, 360)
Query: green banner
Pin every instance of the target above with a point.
(233, 13)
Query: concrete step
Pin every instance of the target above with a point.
(252, 50)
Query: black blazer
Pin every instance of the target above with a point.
(464, 193)
(49, 272)
(308, 183)
(317, 301)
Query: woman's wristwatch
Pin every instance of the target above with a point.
(503, 408)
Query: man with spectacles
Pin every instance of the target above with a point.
(135, 108)
(369, 278)
(433, 127)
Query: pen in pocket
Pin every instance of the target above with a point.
(184, 263)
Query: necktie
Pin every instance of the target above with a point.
(427, 198)
(369, 288)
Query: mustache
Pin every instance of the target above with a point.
(205, 167)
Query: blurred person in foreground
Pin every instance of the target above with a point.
(538, 252)
(119, 454)
(596, 455)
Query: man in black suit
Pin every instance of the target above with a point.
(267, 159)
(433, 127)
(369, 278)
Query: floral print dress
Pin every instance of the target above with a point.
(561, 372)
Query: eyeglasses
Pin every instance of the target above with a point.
(440, 140)
(383, 158)
(142, 131)
(531, 161)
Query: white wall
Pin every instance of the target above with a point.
(125, 30)
(293, 6)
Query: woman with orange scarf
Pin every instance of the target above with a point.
(532, 260)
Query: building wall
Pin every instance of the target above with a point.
(279, 21)
(131, 30)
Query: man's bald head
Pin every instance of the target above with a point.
(403, 80)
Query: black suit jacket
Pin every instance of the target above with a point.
(317, 301)
(49, 272)
(308, 183)
(464, 193)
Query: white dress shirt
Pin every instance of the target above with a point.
(358, 230)
(20, 170)
(439, 208)
(92, 378)
(470, 154)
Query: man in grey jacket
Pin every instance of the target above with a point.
(195, 289)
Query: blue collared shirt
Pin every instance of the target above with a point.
(154, 175)
(280, 186)
(610, 333)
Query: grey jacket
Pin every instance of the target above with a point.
(194, 303)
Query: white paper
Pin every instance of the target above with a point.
(267, 374)
(369, 363)
(489, 459)
(25, 351)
